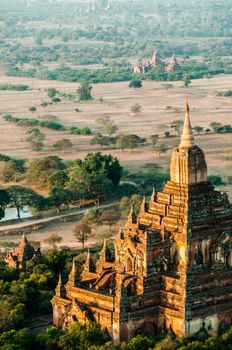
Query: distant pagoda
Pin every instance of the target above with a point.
(172, 267)
(173, 65)
(145, 67)
(155, 60)
(109, 6)
(23, 254)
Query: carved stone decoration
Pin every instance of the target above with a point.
(177, 253)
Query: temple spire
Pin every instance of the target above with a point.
(60, 290)
(187, 138)
(143, 206)
(73, 276)
(24, 239)
(153, 195)
(120, 233)
(105, 254)
(88, 266)
(131, 217)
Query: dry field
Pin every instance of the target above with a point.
(205, 106)
(65, 230)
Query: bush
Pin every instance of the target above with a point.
(215, 180)
(74, 130)
(56, 99)
(14, 87)
(227, 93)
(52, 92)
(136, 84)
(30, 122)
(32, 109)
(44, 104)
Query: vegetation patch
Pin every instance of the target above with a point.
(14, 87)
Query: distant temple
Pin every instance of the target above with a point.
(109, 6)
(23, 254)
(173, 64)
(172, 267)
(147, 66)
(93, 7)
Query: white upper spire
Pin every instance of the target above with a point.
(187, 138)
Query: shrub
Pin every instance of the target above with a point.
(215, 179)
(14, 87)
(56, 99)
(44, 104)
(74, 130)
(32, 109)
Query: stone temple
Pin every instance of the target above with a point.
(172, 267)
(23, 254)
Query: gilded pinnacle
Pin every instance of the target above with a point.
(187, 138)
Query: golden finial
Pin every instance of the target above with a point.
(187, 138)
(186, 106)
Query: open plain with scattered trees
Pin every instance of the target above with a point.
(139, 141)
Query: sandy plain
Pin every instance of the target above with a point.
(205, 105)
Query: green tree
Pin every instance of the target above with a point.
(35, 138)
(198, 129)
(177, 126)
(17, 339)
(63, 145)
(57, 180)
(108, 125)
(53, 239)
(186, 80)
(41, 204)
(110, 217)
(9, 171)
(139, 343)
(84, 91)
(162, 127)
(93, 165)
(161, 148)
(82, 336)
(215, 126)
(136, 84)
(82, 231)
(60, 197)
(32, 109)
(129, 141)
(20, 197)
(56, 260)
(52, 92)
(11, 315)
(154, 139)
(100, 140)
(39, 170)
(126, 203)
(49, 338)
(56, 100)
(4, 200)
